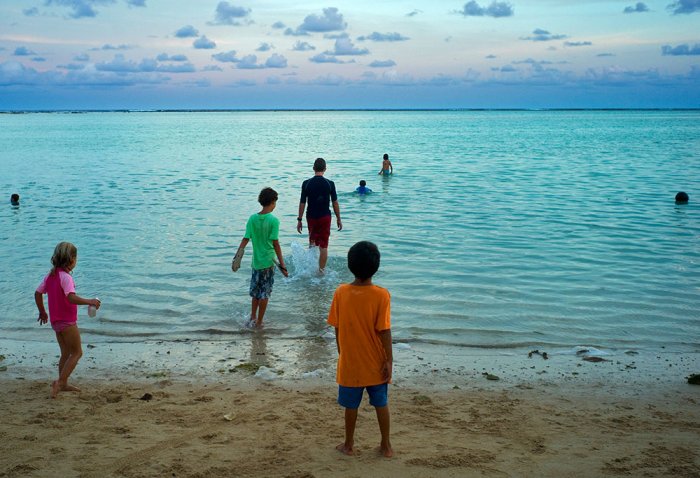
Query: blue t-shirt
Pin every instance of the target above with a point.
(318, 192)
(363, 190)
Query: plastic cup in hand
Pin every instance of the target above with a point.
(92, 311)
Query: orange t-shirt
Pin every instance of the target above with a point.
(359, 313)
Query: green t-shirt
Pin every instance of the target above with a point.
(262, 229)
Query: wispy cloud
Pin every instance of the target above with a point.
(331, 20)
(228, 14)
(23, 51)
(388, 37)
(226, 57)
(684, 7)
(539, 34)
(188, 31)
(577, 43)
(204, 43)
(345, 46)
(303, 46)
(382, 64)
(495, 9)
(264, 47)
(681, 50)
(640, 7)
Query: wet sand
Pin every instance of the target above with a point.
(630, 415)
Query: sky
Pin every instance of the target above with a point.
(306, 54)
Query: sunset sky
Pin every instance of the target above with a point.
(177, 54)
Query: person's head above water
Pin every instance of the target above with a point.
(363, 183)
(386, 156)
(682, 198)
(14, 199)
(319, 165)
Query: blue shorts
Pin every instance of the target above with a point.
(261, 283)
(351, 397)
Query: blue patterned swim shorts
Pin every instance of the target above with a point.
(261, 283)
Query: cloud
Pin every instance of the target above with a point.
(249, 62)
(188, 31)
(330, 21)
(264, 47)
(302, 46)
(166, 57)
(212, 68)
(136, 3)
(490, 57)
(325, 58)
(543, 35)
(686, 7)
(344, 46)
(39, 59)
(681, 50)
(496, 10)
(203, 43)
(23, 51)
(31, 12)
(276, 61)
(376, 36)
(71, 66)
(82, 57)
(227, 14)
(577, 43)
(278, 25)
(605, 54)
(108, 47)
(80, 8)
(413, 13)
(638, 8)
(382, 64)
(226, 57)
(119, 64)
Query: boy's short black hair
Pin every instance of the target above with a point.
(363, 183)
(319, 165)
(386, 156)
(363, 259)
(267, 196)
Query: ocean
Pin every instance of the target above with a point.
(499, 230)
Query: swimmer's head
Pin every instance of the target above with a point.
(267, 196)
(363, 183)
(363, 259)
(14, 199)
(319, 165)
(682, 198)
(386, 156)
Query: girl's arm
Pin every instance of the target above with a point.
(74, 298)
(39, 299)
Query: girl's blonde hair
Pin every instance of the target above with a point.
(63, 256)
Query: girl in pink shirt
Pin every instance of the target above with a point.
(63, 310)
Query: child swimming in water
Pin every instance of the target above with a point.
(362, 189)
(387, 168)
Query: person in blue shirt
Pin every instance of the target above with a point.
(362, 188)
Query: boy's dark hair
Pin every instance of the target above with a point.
(386, 156)
(14, 198)
(363, 183)
(267, 196)
(363, 259)
(319, 165)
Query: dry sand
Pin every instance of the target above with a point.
(558, 417)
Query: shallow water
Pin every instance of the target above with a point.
(499, 229)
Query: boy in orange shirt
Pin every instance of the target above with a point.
(360, 314)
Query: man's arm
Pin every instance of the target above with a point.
(385, 338)
(336, 210)
(300, 216)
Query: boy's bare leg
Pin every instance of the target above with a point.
(69, 341)
(253, 309)
(350, 421)
(383, 418)
(262, 307)
(322, 258)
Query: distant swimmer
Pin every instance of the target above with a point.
(14, 199)
(387, 168)
(682, 198)
(362, 189)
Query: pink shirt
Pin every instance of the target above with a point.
(58, 286)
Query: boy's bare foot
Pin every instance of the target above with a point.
(386, 452)
(55, 388)
(346, 450)
(69, 388)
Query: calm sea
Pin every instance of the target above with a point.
(499, 229)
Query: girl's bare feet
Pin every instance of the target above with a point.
(386, 452)
(69, 388)
(346, 450)
(55, 388)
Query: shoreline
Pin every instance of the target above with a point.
(557, 417)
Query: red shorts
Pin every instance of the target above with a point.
(319, 230)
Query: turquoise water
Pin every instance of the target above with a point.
(499, 229)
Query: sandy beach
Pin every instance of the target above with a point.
(625, 416)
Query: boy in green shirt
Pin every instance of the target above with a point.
(263, 229)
